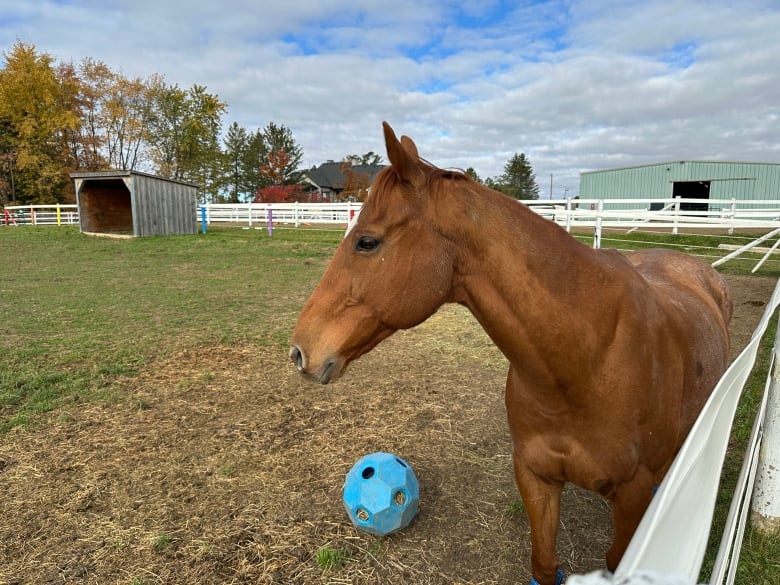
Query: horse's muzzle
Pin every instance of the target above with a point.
(325, 374)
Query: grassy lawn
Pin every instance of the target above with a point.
(80, 313)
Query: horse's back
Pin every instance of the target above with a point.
(669, 269)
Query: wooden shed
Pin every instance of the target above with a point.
(134, 203)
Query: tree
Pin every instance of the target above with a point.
(255, 155)
(95, 79)
(245, 153)
(473, 174)
(235, 143)
(36, 116)
(183, 133)
(518, 179)
(368, 159)
(279, 194)
(205, 161)
(282, 157)
(7, 164)
(356, 184)
(125, 119)
(76, 151)
(167, 126)
(114, 113)
(275, 168)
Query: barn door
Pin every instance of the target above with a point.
(692, 190)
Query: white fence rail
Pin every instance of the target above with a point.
(673, 215)
(625, 214)
(295, 214)
(40, 215)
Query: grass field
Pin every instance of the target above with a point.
(80, 313)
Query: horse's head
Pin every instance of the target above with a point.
(392, 271)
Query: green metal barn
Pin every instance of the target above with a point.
(701, 180)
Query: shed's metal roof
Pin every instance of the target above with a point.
(118, 174)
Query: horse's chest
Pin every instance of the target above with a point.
(594, 465)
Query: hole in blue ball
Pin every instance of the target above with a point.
(368, 473)
(401, 462)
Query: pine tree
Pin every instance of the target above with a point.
(518, 179)
(282, 157)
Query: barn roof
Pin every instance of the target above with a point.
(682, 162)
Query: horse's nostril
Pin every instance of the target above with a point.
(296, 355)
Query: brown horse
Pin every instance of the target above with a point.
(611, 356)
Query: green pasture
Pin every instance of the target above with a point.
(80, 313)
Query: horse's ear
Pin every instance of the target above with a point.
(410, 147)
(402, 154)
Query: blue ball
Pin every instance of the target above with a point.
(381, 494)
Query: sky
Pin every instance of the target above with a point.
(574, 85)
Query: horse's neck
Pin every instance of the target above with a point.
(524, 278)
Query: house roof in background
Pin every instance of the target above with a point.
(329, 176)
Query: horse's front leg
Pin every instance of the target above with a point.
(542, 500)
(628, 506)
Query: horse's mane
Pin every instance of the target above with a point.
(434, 176)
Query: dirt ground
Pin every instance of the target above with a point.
(222, 466)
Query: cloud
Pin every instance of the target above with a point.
(574, 85)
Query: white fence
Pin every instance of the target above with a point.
(597, 214)
(295, 214)
(627, 214)
(668, 214)
(40, 215)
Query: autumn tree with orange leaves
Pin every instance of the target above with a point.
(58, 118)
(356, 184)
(279, 171)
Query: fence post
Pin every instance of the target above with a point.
(597, 229)
(59, 221)
(765, 507)
(676, 214)
(249, 207)
(733, 213)
(569, 208)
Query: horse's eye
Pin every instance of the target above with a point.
(366, 244)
